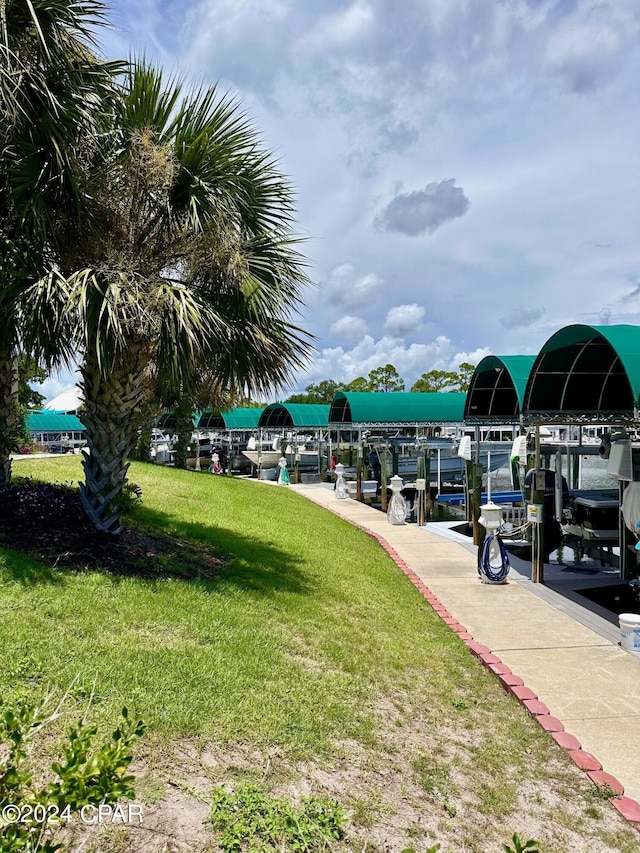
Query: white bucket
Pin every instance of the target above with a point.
(630, 631)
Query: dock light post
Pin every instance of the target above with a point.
(341, 486)
(493, 562)
(397, 512)
(294, 456)
(421, 494)
(535, 514)
(283, 474)
(296, 462)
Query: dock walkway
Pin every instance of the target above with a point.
(565, 656)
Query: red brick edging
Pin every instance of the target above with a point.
(512, 683)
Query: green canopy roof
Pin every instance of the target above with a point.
(46, 420)
(497, 389)
(278, 415)
(208, 420)
(586, 373)
(241, 418)
(167, 421)
(396, 407)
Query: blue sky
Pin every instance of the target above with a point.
(467, 170)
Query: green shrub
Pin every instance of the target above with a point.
(129, 497)
(250, 817)
(88, 775)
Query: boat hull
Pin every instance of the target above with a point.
(450, 466)
(263, 458)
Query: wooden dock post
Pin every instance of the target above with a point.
(427, 475)
(383, 477)
(475, 497)
(538, 487)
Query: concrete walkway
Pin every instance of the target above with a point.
(562, 662)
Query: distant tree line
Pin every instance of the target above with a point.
(386, 378)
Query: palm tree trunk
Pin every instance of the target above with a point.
(184, 430)
(8, 408)
(114, 409)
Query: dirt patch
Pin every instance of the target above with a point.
(420, 785)
(46, 521)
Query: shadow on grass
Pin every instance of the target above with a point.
(250, 563)
(27, 570)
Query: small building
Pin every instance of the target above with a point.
(56, 432)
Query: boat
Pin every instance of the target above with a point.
(581, 518)
(265, 452)
(307, 459)
(444, 463)
(592, 515)
(263, 458)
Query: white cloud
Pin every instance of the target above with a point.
(533, 104)
(345, 287)
(350, 328)
(585, 49)
(403, 319)
(411, 360)
(56, 384)
(422, 211)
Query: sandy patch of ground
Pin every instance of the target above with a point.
(419, 785)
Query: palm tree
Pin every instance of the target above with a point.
(54, 94)
(191, 268)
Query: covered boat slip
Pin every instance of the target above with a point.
(240, 419)
(405, 431)
(297, 432)
(228, 432)
(234, 420)
(224, 431)
(295, 416)
(583, 376)
(497, 389)
(588, 375)
(496, 396)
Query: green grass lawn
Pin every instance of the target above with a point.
(311, 648)
(308, 620)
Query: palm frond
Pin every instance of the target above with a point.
(192, 250)
(45, 326)
(55, 95)
(149, 103)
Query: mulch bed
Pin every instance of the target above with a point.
(46, 521)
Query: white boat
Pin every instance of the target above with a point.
(307, 459)
(443, 457)
(263, 458)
